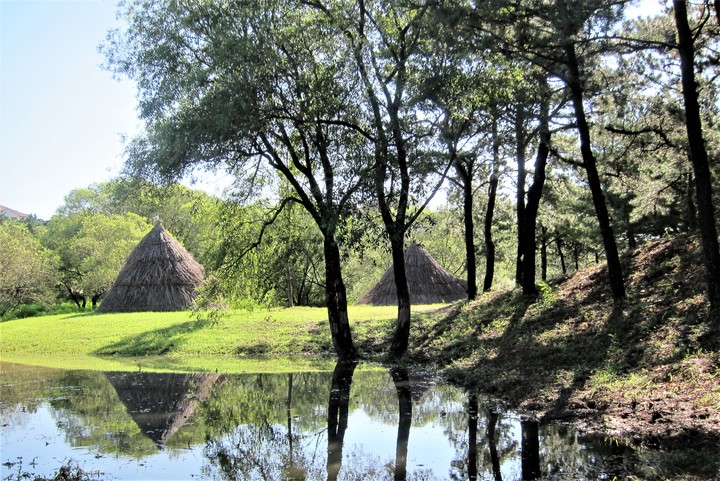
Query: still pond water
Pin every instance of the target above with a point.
(351, 424)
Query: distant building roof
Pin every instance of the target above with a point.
(12, 213)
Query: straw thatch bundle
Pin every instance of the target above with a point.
(159, 275)
(428, 282)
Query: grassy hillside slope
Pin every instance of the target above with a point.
(646, 371)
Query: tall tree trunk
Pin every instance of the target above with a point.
(336, 299)
(466, 175)
(698, 154)
(401, 336)
(533, 203)
(492, 194)
(520, 197)
(617, 283)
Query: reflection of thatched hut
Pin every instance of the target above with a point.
(160, 404)
(428, 282)
(159, 275)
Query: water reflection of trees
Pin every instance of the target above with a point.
(293, 426)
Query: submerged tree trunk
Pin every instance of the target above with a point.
(336, 297)
(617, 283)
(492, 194)
(698, 154)
(533, 204)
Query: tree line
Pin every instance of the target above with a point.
(597, 128)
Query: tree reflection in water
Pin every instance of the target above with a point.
(338, 415)
(402, 386)
(530, 450)
(472, 437)
(492, 444)
(262, 426)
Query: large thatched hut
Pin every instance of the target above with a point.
(428, 282)
(159, 275)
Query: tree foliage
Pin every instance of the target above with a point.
(28, 271)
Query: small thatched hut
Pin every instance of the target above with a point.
(159, 275)
(428, 282)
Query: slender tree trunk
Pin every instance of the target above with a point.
(492, 194)
(617, 283)
(533, 204)
(630, 230)
(576, 256)
(698, 154)
(558, 244)
(336, 298)
(543, 253)
(402, 328)
(470, 262)
(520, 199)
(288, 281)
(75, 298)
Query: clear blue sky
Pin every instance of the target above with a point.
(61, 115)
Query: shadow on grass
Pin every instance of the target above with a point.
(153, 343)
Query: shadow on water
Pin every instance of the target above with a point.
(351, 423)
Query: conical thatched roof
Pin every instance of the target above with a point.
(159, 275)
(428, 282)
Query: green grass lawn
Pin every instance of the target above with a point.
(262, 340)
